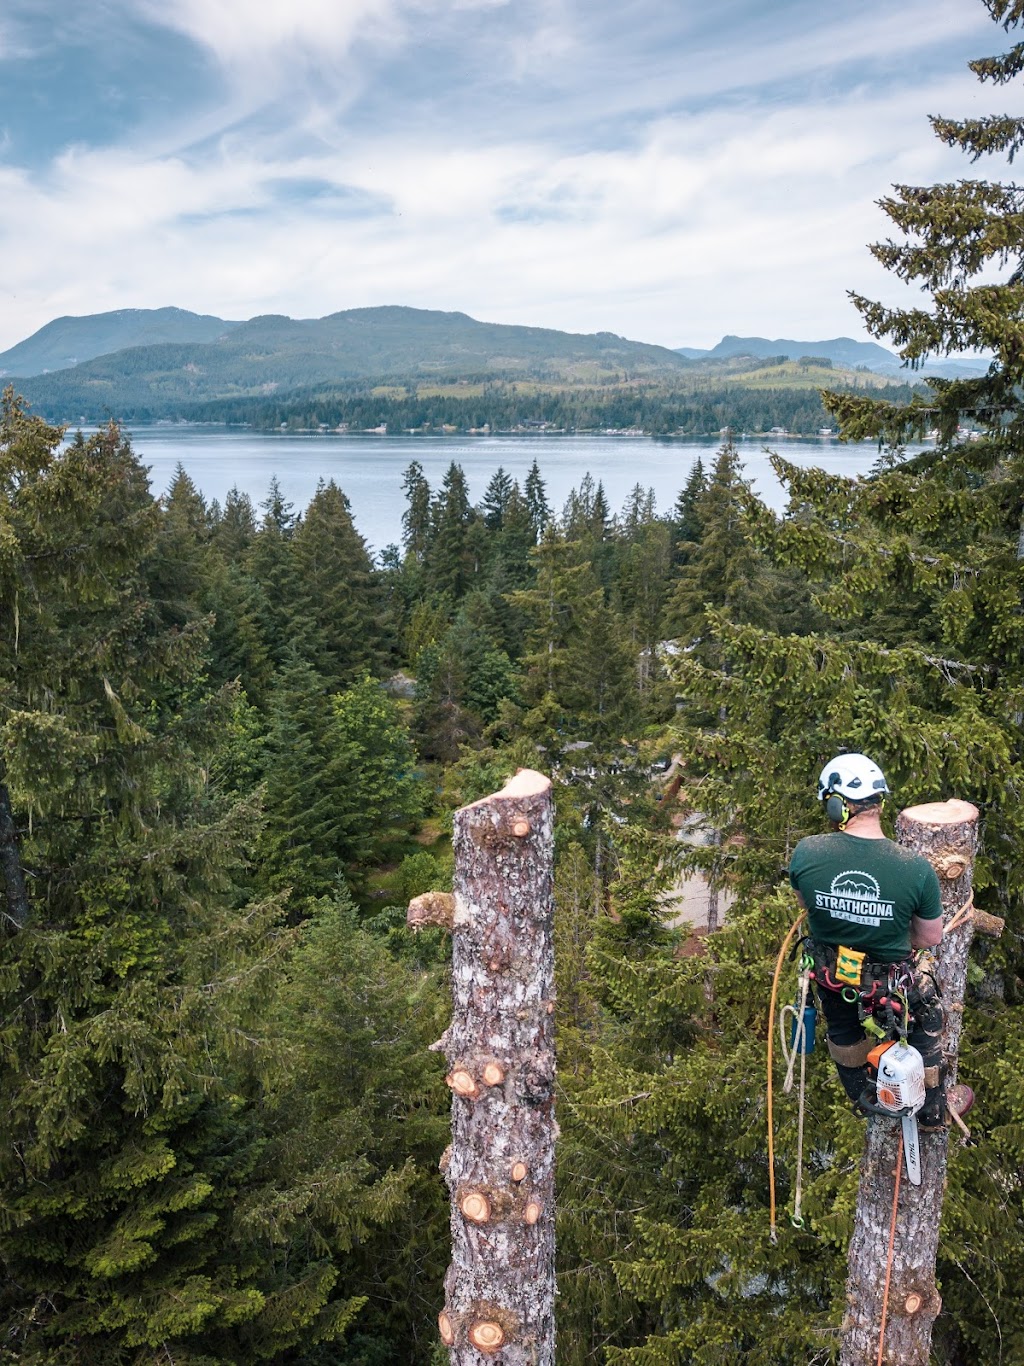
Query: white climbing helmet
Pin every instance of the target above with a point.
(853, 776)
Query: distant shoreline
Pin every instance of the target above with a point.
(404, 433)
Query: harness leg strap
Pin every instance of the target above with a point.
(850, 1054)
(851, 1065)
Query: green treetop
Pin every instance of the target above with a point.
(130, 969)
(336, 603)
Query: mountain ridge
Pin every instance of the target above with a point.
(185, 359)
(72, 339)
(840, 350)
(275, 354)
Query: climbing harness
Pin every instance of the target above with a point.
(882, 997)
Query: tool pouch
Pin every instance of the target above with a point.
(849, 966)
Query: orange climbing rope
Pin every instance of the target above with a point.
(771, 1057)
(888, 1260)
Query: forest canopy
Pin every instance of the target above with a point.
(230, 747)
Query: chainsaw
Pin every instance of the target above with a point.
(900, 1091)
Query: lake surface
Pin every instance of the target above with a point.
(369, 468)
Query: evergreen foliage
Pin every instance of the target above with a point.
(223, 1118)
(131, 968)
(911, 651)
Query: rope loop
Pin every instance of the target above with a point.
(962, 916)
(771, 1041)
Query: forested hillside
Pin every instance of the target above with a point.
(68, 341)
(274, 355)
(408, 368)
(749, 398)
(232, 746)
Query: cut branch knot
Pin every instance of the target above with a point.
(432, 908)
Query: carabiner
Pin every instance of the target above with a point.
(850, 995)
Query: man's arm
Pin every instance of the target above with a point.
(925, 934)
(926, 930)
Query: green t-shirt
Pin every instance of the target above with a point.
(862, 893)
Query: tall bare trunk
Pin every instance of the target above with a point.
(500, 1286)
(11, 871)
(946, 833)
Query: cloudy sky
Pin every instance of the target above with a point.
(670, 170)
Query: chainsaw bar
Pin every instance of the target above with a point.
(912, 1149)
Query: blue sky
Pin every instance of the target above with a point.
(665, 169)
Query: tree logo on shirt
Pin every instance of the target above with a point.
(855, 896)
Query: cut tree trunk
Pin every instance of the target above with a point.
(946, 833)
(500, 1286)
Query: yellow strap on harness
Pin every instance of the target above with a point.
(849, 966)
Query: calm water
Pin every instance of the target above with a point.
(369, 468)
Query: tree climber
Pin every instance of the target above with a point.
(869, 903)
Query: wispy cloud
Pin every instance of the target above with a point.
(667, 172)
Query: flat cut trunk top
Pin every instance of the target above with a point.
(953, 812)
(526, 783)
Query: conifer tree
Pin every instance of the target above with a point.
(443, 721)
(339, 777)
(496, 499)
(416, 517)
(236, 526)
(686, 522)
(238, 649)
(724, 568)
(302, 839)
(644, 556)
(335, 608)
(516, 539)
(269, 562)
(131, 967)
(579, 675)
(535, 493)
(450, 560)
(917, 657)
(564, 598)
(355, 1127)
(382, 792)
(181, 563)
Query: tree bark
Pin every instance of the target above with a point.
(11, 871)
(500, 1286)
(946, 833)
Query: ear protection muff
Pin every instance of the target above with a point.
(837, 809)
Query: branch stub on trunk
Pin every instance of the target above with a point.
(432, 908)
(493, 1074)
(476, 1207)
(519, 1172)
(487, 1336)
(463, 1083)
(444, 1327)
(991, 925)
